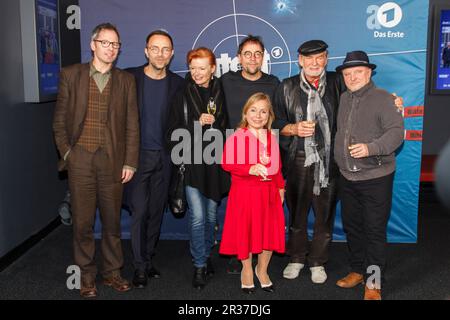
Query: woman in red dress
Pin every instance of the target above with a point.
(254, 219)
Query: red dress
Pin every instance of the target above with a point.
(254, 219)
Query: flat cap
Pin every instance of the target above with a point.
(312, 47)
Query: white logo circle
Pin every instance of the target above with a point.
(276, 52)
(382, 15)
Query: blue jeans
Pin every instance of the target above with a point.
(202, 220)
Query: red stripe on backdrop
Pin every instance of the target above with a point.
(413, 135)
(414, 111)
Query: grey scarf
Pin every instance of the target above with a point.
(320, 154)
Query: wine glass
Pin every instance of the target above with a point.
(211, 108)
(353, 166)
(264, 158)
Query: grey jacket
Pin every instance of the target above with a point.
(370, 116)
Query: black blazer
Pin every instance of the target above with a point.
(175, 84)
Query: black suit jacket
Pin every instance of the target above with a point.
(175, 84)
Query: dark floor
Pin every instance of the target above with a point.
(415, 271)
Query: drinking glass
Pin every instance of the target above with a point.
(211, 108)
(264, 158)
(353, 166)
(313, 122)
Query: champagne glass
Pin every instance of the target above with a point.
(353, 166)
(312, 122)
(264, 158)
(211, 108)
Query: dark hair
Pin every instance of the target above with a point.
(104, 26)
(201, 52)
(159, 32)
(252, 39)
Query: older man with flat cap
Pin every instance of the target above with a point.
(306, 109)
(369, 130)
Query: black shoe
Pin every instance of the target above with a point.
(199, 280)
(209, 268)
(234, 266)
(153, 273)
(267, 287)
(248, 290)
(139, 279)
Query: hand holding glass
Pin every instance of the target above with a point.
(264, 158)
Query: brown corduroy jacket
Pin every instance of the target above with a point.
(122, 128)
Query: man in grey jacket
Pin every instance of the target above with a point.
(369, 130)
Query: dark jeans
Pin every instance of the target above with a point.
(366, 207)
(299, 199)
(148, 198)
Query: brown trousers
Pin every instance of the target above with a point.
(92, 185)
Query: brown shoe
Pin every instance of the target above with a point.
(88, 289)
(351, 280)
(117, 283)
(372, 294)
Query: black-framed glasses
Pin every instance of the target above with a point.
(256, 54)
(156, 50)
(106, 44)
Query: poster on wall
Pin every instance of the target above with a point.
(442, 54)
(48, 45)
(393, 33)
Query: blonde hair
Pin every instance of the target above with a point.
(250, 102)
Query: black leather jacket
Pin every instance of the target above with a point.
(291, 102)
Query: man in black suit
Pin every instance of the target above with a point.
(147, 195)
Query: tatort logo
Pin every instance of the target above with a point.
(388, 16)
(225, 64)
(224, 33)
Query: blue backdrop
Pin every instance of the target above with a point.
(393, 33)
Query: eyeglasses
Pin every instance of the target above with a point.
(106, 44)
(256, 54)
(156, 50)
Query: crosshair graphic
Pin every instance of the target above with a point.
(216, 35)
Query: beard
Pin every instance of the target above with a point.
(252, 71)
(314, 74)
(158, 67)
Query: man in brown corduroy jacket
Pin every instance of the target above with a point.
(97, 134)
